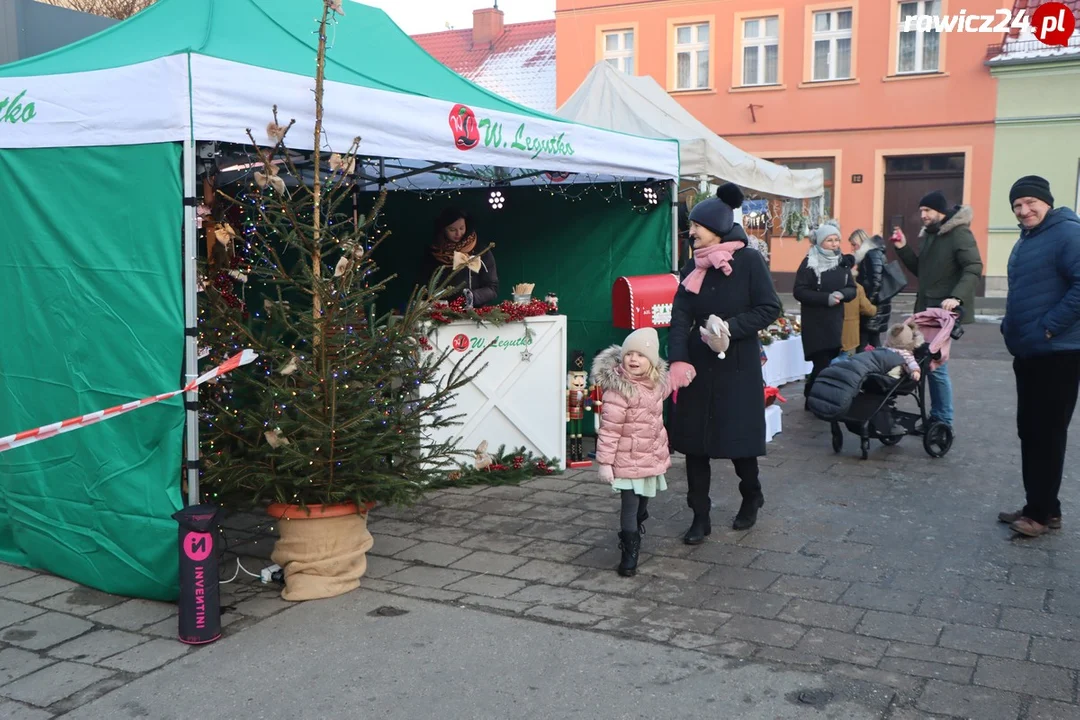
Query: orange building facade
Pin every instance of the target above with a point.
(888, 113)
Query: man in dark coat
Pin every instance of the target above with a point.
(1042, 331)
(948, 267)
(720, 413)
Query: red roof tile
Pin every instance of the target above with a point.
(455, 50)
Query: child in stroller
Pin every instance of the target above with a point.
(861, 393)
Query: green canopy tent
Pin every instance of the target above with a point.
(99, 146)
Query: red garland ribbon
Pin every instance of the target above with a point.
(446, 312)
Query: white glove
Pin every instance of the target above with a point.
(716, 335)
(835, 298)
(607, 474)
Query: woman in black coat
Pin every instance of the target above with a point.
(455, 237)
(823, 283)
(720, 412)
(869, 255)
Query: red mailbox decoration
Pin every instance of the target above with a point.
(643, 301)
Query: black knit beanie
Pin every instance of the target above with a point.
(935, 201)
(1031, 186)
(716, 213)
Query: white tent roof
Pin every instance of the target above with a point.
(640, 106)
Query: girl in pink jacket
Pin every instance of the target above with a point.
(632, 443)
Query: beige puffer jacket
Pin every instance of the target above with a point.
(632, 438)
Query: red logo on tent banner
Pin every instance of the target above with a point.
(463, 125)
(461, 342)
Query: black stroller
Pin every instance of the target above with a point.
(860, 394)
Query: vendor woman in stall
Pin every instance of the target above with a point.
(455, 241)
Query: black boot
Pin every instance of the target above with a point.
(747, 515)
(699, 529)
(630, 544)
(750, 489)
(698, 480)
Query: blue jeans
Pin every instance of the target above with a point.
(941, 395)
(842, 357)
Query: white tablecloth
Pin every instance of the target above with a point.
(773, 421)
(785, 362)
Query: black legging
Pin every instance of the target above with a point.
(633, 505)
(821, 360)
(699, 480)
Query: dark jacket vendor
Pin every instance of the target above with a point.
(474, 277)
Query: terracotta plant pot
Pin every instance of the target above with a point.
(322, 549)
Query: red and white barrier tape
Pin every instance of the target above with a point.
(47, 431)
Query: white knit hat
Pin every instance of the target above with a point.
(645, 341)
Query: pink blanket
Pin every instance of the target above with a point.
(936, 326)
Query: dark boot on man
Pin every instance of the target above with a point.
(699, 529)
(747, 515)
(630, 544)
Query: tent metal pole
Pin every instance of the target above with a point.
(191, 315)
(675, 225)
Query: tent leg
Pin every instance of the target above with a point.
(675, 226)
(191, 314)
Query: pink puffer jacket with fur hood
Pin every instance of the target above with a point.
(632, 438)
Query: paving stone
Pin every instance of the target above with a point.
(895, 626)
(499, 524)
(557, 484)
(932, 583)
(855, 649)
(788, 563)
(553, 551)
(546, 571)
(957, 610)
(15, 612)
(426, 593)
(43, 631)
(456, 518)
(747, 602)
(705, 622)
(450, 501)
(495, 542)
(134, 614)
(732, 649)
(16, 662)
(721, 554)
(739, 578)
(874, 597)
(639, 630)
(146, 657)
(1065, 653)
(375, 584)
(598, 537)
(608, 558)
(563, 617)
(81, 601)
(432, 553)
(507, 492)
(36, 588)
(551, 513)
(502, 507)
(1011, 595)
(777, 542)
(836, 550)
(673, 568)
(54, 683)
(493, 603)
(488, 562)
(397, 528)
(553, 532)
(474, 490)
(857, 570)
(788, 657)
(984, 641)
(551, 595)
(97, 645)
(931, 654)
(762, 631)
(692, 640)
(671, 547)
(876, 676)
(606, 581)
(490, 585)
(380, 567)
(809, 588)
(952, 673)
(678, 593)
(1050, 710)
(388, 545)
(264, 606)
(1025, 677)
(1064, 627)
(823, 615)
(552, 497)
(593, 519)
(430, 577)
(968, 701)
(11, 710)
(11, 574)
(614, 606)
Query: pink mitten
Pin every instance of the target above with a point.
(681, 374)
(607, 474)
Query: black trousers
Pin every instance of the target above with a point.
(699, 479)
(1046, 390)
(821, 360)
(866, 337)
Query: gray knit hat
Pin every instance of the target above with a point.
(823, 232)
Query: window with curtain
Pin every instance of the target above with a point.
(619, 50)
(761, 51)
(917, 51)
(692, 56)
(832, 45)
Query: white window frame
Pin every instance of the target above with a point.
(923, 7)
(832, 35)
(760, 42)
(693, 48)
(624, 59)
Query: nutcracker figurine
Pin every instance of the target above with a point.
(576, 396)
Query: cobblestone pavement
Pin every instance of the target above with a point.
(892, 571)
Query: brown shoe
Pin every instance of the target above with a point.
(1010, 517)
(1027, 526)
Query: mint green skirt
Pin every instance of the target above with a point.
(646, 487)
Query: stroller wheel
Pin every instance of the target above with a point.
(938, 439)
(890, 440)
(864, 446)
(837, 438)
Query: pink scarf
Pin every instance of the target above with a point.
(714, 256)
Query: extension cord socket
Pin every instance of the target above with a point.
(267, 573)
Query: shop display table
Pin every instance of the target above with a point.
(773, 421)
(785, 362)
(518, 397)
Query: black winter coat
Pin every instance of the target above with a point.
(721, 414)
(485, 284)
(822, 324)
(871, 270)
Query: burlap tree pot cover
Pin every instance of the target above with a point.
(323, 553)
